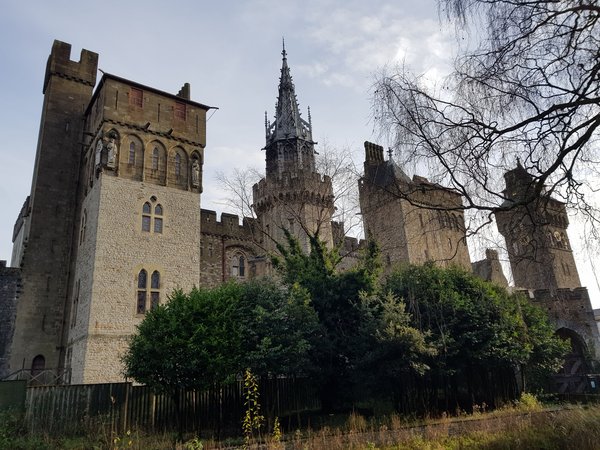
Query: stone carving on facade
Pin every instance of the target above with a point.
(195, 173)
(99, 148)
(112, 151)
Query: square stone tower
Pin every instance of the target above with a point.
(413, 221)
(46, 240)
(535, 229)
(113, 221)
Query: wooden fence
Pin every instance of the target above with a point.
(118, 407)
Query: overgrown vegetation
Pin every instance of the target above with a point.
(518, 427)
(426, 340)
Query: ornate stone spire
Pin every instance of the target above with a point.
(288, 124)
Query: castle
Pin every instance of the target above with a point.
(114, 222)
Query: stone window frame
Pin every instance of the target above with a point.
(148, 291)
(238, 265)
(155, 158)
(177, 165)
(132, 149)
(153, 215)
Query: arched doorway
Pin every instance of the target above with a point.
(571, 377)
(38, 365)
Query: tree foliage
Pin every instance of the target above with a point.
(210, 336)
(529, 89)
(360, 330)
(482, 333)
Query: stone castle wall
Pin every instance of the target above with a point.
(10, 283)
(108, 302)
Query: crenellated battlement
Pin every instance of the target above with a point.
(229, 224)
(60, 64)
(311, 188)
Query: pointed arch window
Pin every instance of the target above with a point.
(158, 220)
(155, 156)
(154, 289)
(152, 216)
(178, 165)
(238, 266)
(131, 153)
(142, 283)
(148, 289)
(146, 216)
(242, 266)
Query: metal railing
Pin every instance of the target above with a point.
(44, 377)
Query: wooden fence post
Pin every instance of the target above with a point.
(125, 409)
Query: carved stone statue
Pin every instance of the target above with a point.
(112, 152)
(98, 156)
(195, 173)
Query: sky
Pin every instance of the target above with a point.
(230, 53)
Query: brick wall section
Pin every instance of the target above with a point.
(10, 283)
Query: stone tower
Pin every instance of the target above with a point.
(413, 221)
(138, 229)
(113, 221)
(292, 195)
(535, 229)
(46, 241)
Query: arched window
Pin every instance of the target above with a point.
(158, 221)
(238, 266)
(146, 216)
(143, 288)
(242, 266)
(152, 212)
(142, 283)
(38, 365)
(155, 155)
(177, 165)
(154, 289)
(131, 153)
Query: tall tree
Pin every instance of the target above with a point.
(527, 91)
(359, 328)
(482, 333)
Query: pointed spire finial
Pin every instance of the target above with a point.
(266, 124)
(390, 153)
(283, 52)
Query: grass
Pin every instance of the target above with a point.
(523, 426)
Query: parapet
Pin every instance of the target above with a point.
(229, 225)
(60, 64)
